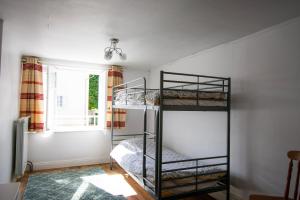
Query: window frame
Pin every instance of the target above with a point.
(102, 92)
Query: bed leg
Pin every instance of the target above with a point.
(111, 163)
(228, 194)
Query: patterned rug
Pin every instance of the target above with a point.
(71, 184)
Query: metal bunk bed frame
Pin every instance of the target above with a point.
(156, 190)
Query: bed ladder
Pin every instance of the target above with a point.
(146, 156)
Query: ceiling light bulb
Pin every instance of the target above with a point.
(123, 56)
(108, 55)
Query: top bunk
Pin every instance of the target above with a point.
(177, 92)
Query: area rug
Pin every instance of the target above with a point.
(72, 184)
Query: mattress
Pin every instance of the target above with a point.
(171, 97)
(129, 155)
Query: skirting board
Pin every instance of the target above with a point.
(68, 163)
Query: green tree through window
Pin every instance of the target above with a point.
(93, 91)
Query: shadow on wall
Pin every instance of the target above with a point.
(240, 136)
(13, 150)
(258, 119)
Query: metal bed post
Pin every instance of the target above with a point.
(228, 138)
(223, 87)
(156, 122)
(197, 103)
(145, 135)
(157, 154)
(159, 139)
(112, 127)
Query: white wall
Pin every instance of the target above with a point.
(265, 69)
(9, 90)
(52, 150)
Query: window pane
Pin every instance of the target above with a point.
(76, 102)
(93, 99)
(71, 98)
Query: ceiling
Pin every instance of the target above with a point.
(151, 32)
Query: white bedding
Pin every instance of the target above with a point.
(172, 97)
(128, 154)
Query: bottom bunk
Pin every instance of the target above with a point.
(180, 178)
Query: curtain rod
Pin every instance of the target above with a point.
(74, 64)
(68, 63)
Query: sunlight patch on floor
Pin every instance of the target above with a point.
(62, 181)
(113, 184)
(80, 191)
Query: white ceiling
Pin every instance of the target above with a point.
(152, 32)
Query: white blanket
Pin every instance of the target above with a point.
(129, 155)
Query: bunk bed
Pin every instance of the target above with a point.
(164, 173)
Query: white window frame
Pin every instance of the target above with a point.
(92, 69)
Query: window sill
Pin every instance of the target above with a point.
(75, 129)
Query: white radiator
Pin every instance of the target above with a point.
(21, 152)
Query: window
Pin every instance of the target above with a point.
(75, 98)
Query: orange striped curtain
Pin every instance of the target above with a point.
(115, 77)
(32, 97)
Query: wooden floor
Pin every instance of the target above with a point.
(141, 194)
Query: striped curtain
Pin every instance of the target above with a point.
(115, 77)
(32, 97)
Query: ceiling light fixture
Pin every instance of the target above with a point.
(108, 51)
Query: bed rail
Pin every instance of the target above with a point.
(192, 84)
(136, 86)
(182, 82)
